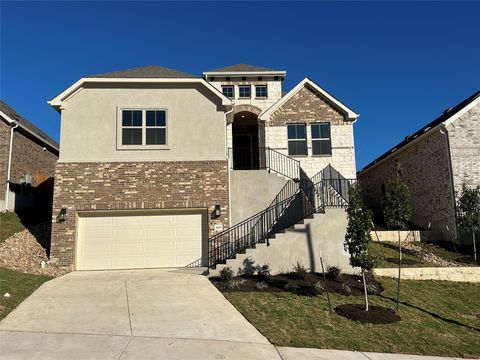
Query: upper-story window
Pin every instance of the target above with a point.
(228, 91)
(297, 139)
(144, 128)
(261, 91)
(245, 91)
(321, 139)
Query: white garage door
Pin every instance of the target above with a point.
(138, 241)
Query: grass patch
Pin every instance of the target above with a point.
(438, 318)
(391, 256)
(19, 285)
(10, 224)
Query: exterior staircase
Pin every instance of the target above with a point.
(304, 205)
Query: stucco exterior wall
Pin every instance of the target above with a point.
(307, 107)
(195, 124)
(464, 139)
(134, 185)
(424, 167)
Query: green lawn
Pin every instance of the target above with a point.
(19, 286)
(9, 224)
(391, 255)
(437, 319)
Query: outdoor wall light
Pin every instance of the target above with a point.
(217, 211)
(61, 215)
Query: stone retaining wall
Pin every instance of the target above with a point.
(458, 274)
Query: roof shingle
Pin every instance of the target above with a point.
(11, 113)
(151, 71)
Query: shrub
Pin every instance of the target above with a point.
(318, 288)
(233, 283)
(226, 274)
(396, 206)
(262, 285)
(372, 288)
(333, 272)
(300, 269)
(291, 287)
(263, 271)
(346, 290)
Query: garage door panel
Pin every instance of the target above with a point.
(136, 241)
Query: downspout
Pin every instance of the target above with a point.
(7, 192)
(444, 131)
(228, 169)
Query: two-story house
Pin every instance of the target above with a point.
(159, 168)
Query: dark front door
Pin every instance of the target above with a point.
(242, 152)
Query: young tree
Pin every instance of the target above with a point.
(396, 206)
(358, 236)
(468, 212)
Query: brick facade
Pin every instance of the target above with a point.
(28, 160)
(134, 185)
(4, 146)
(307, 107)
(424, 167)
(464, 139)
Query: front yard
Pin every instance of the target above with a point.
(19, 285)
(437, 318)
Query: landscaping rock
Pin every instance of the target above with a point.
(416, 249)
(25, 251)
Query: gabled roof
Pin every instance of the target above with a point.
(151, 71)
(448, 116)
(349, 113)
(142, 75)
(244, 69)
(10, 115)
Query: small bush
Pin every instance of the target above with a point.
(372, 289)
(226, 274)
(263, 271)
(233, 284)
(318, 288)
(262, 285)
(346, 290)
(291, 287)
(333, 272)
(300, 269)
(277, 283)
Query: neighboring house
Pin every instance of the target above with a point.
(434, 162)
(158, 167)
(27, 163)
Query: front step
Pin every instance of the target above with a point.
(323, 234)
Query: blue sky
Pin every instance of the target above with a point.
(397, 64)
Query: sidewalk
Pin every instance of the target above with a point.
(289, 353)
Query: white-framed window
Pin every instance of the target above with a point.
(297, 139)
(245, 91)
(145, 128)
(321, 139)
(261, 91)
(228, 91)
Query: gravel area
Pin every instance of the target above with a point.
(416, 249)
(25, 252)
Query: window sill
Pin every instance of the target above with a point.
(143, 147)
(322, 155)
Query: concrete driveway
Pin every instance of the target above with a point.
(126, 315)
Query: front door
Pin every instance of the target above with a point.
(242, 152)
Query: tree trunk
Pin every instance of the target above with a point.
(474, 247)
(399, 269)
(365, 290)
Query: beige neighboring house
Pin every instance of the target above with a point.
(27, 163)
(434, 162)
(160, 168)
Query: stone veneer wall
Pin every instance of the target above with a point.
(4, 145)
(134, 185)
(424, 167)
(464, 139)
(307, 107)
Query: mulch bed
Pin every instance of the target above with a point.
(374, 315)
(308, 284)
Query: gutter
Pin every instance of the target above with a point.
(444, 131)
(9, 169)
